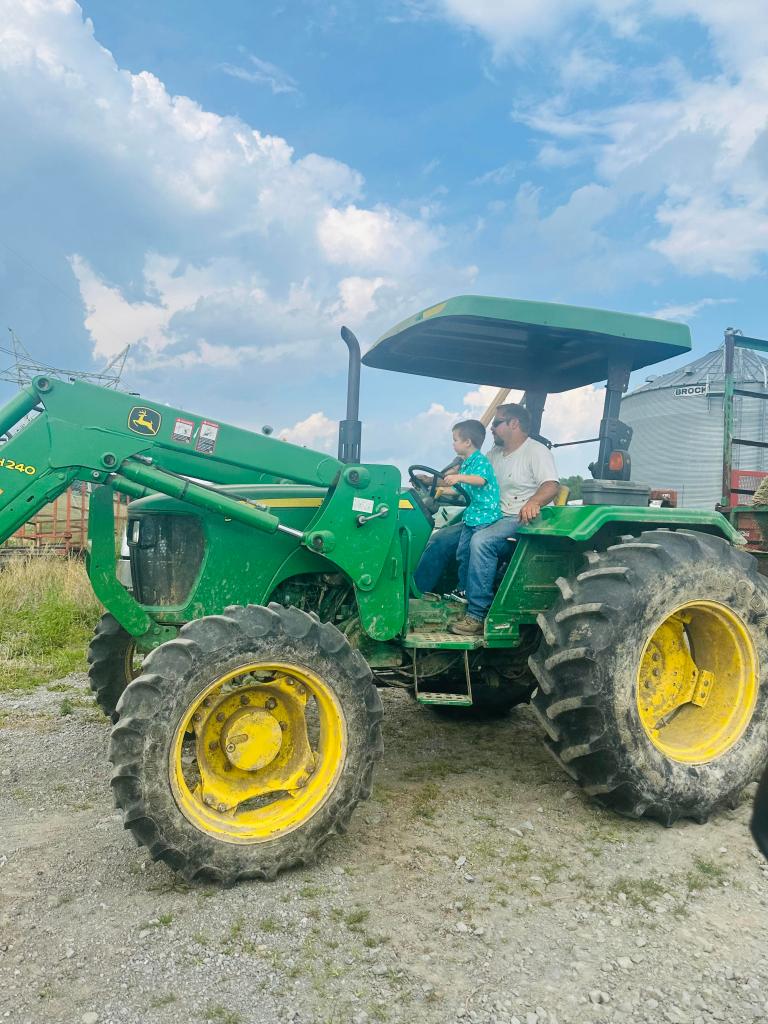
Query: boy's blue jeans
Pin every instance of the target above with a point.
(477, 549)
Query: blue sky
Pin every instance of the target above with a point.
(222, 186)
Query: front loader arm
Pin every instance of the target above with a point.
(106, 437)
(93, 434)
(27, 480)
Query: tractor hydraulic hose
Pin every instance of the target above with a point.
(128, 487)
(186, 490)
(17, 408)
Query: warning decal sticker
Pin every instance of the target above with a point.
(362, 505)
(182, 431)
(206, 438)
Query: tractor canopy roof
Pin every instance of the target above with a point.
(531, 346)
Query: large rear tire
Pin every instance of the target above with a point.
(112, 663)
(245, 743)
(652, 673)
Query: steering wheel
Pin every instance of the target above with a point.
(429, 489)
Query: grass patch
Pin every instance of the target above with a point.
(425, 801)
(162, 921)
(518, 853)
(66, 707)
(639, 891)
(48, 611)
(234, 935)
(221, 1015)
(160, 1001)
(356, 917)
(705, 874)
(309, 892)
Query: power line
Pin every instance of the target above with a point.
(24, 367)
(36, 270)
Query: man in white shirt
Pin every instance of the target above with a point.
(525, 470)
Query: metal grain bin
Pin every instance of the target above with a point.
(677, 419)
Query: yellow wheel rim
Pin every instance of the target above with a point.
(697, 682)
(133, 662)
(258, 752)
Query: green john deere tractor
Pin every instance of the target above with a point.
(272, 591)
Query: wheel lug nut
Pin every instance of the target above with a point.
(230, 748)
(196, 716)
(213, 745)
(301, 689)
(208, 800)
(270, 704)
(207, 702)
(221, 808)
(220, 716)
(245, 699)
(302, 783)
(283, 726)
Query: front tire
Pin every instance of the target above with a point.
(245, 743)
(652, 675)
(112, 663)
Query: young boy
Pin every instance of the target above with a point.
(478, 480)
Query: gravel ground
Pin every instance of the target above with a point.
(476, 886)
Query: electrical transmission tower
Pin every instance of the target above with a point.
(24, 367)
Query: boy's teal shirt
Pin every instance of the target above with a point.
(485, 503)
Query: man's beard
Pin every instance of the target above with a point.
(498, 442)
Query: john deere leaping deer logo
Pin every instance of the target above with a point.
(142, 420)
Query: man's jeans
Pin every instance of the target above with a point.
(478, 550)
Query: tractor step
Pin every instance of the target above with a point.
(456, 700)
(432, 639)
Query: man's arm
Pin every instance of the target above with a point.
(545, 493)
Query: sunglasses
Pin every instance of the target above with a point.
(497, 423)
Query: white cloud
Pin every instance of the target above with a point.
(573, 415)
(572, 239)
(738, 29)
(582, 70)
(357, 298)
(380, 238)
(477, 401)
(498, 175)
(699, 155)
(568, 416)
(113, 321)
(198, 231)
(261, 72)
(707, 236)
(316, 431)
(508, 24)
(696, 148)
(686, 312)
